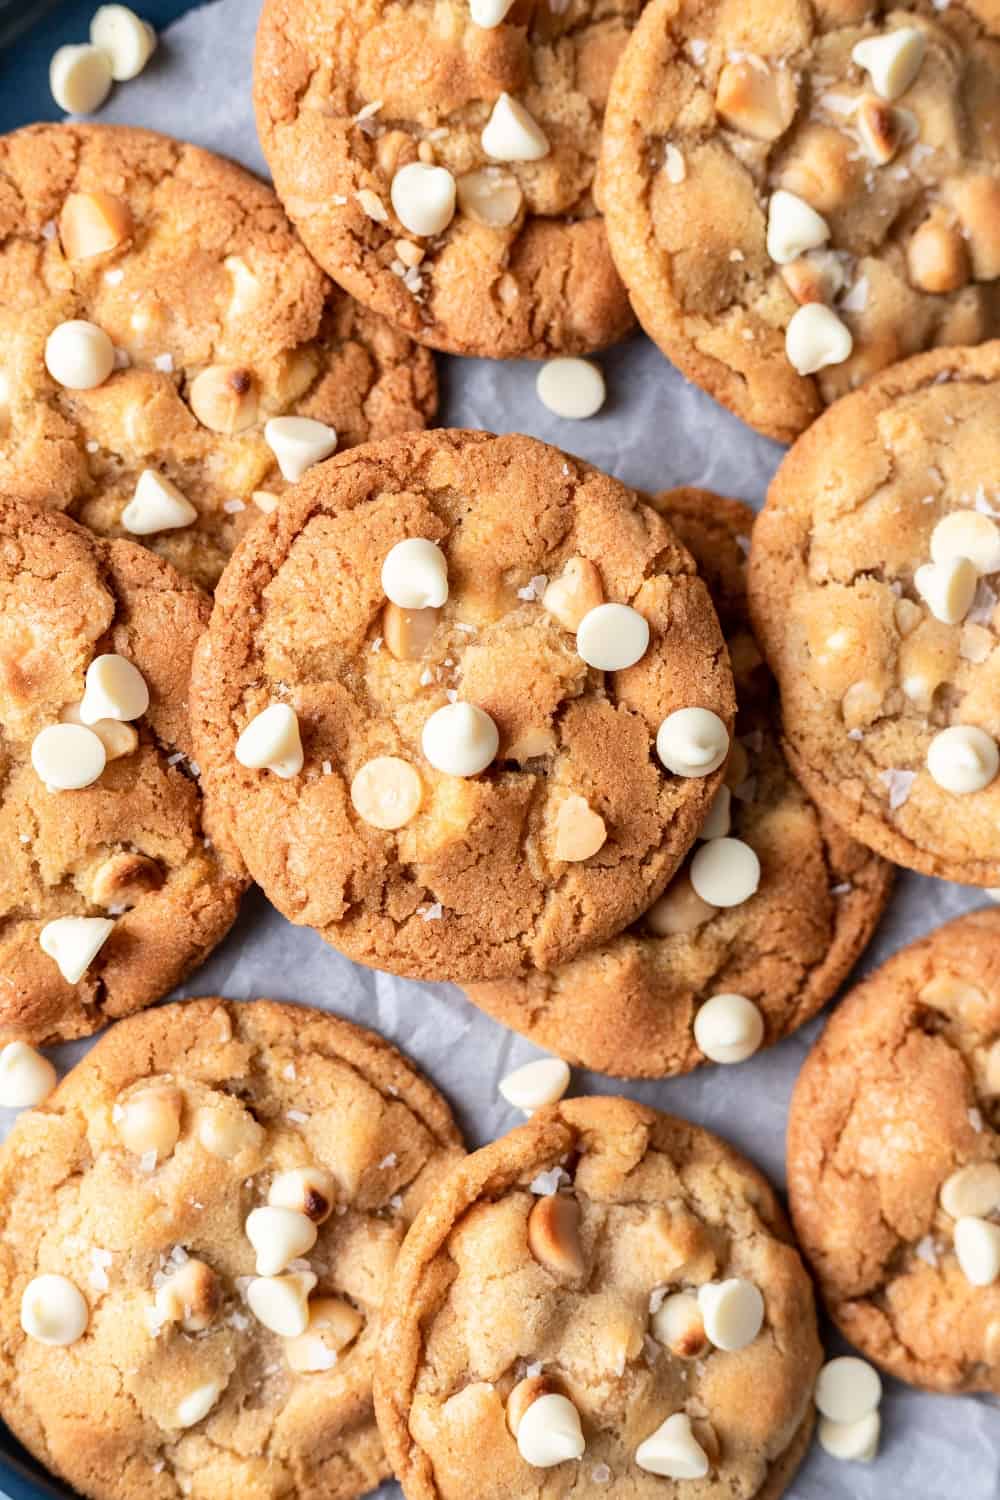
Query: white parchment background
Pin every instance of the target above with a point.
(654, 431)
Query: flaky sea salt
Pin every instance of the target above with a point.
(432, 913)
(547, 1183)
(535, 587)
(899, 784)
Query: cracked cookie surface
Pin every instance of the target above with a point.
(256, 1089)
(346, 96)
(627, 1007)
(868, 675)
(718, 104)
(132, 845)
(901, 1092)
(474, 885)
(200, 271)
(651, 1206)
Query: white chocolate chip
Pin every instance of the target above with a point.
(971, 1191)
(847, 1389)
(692, 742)
(490, 197)
(793, 227)
(678, 1324)
(725, 872)
(298, 443)
(423, 198)
(150, 1121)
(79, 355)
(415, 574)
(673, 1450)
(307, 1190)
(571, 388)
(281, 1303)
(963, 759)
(460, 740)
(197, 1404)
(510, 133)
(489, 13)
(271, 742)
(728, 1028)
(816, 337)
(549, 1432)
(156, 505)
(80, 78)
(74, 943)
(967, 533)
(128, 42)
(855, 1442)
(333, 1325)
(279, 1236)
(536, 1084)
(947, 588)
(977, 1248)
(892, 61)
(113, 689)
(733, 1312)
(53, 1310)
(612, 637)
(226, 1134)
(718, 822)
(26, 1077)
(67, 757)
(386, 792)
(580, 832)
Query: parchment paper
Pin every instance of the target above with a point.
(654, 431)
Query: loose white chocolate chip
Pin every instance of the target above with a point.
(80, 78)
(197, 1404)
(963, 759)
(223, 398)
(673, 1451)
(692, 742)
(733, 1312)
(855, 1442)
(225, 1134)
(489, 13)
(612, 637)
(92, 224)
(793, 227)
(678, 1324)
(298, 443)
(408, 632)
(816, 337)
(580, 832)
(150, 1121)
(679, 909)
(279, 1236)
(847, 1389)
(67, 757)
(415, 574)
(117, 738)
(971, 1191)
(53, 1310)
(549, 1432)
(571, 388)
(281, 1303)
(728, 1028)
(74, 943)
(490, 197)
(977, 1248)
(725, 872)
(271, 742)
(156, 505)
(460, 740)
(113, 689)
(423, 198)
(26, 1077)
(333, 1325)
(892, 61)
(536, 1084)
(306, 1190)
(967, 533)
(79, 355)
(386, 792)
(574, 593)
(191, 1296)
(128, 42)
(947, 588)
(554, 1235)
(510, 133)
(718, 822)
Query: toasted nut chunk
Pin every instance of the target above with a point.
(227, 1130)
(532, 743)
(554, 1235)
(386, 792)
(490, 197)
(524, 1394)
(880, 128)
(408, 632)
(574, 593)
(821, 169)
(192, 1297)
(333, 1325)
(936, 258)
(150, 1120)
(123, 878)
(973, 1189)
(307, 1190)
(223, 398)
(816, 277)
(679, 1326)
(93, 223)
(679, 909)
(976, 201)
(580, 832)
(759, 101)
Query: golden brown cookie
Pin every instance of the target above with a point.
(628, 1006)
(791, 216)
(219, 322)
(894, 1160)
(399, 145)
(629, 1271)
(459, 794)
(881, 634)
(106, 823)
(167, 1355)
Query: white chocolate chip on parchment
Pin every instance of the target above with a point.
(272, 742)
(847, 1388)
(127, 41)
(80, 78)
(570, 387)
(853, 1442)
(536, 1084)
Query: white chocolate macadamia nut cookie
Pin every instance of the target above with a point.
(170, 351)
(888, 673)
(800, 193)
(478, 640)
(592, 1304)
(139, 1336)
(894, 1165)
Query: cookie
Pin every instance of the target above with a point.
(407, 742)
(110, 891)
(799, 194)
(629, 1006)
(880, 631)
(894, 1160)
(438, 161)
(607, 1292)
(196, 1234)
(207, 320)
